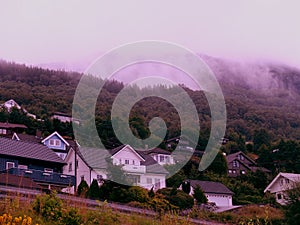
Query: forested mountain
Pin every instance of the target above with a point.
(257, 96)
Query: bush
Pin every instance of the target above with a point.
(94, 191)
(178, 198)
(49, 206)
(82, 189)
(72, 217)
(138, 194)
(199, 195)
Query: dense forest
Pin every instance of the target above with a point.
(249, 107)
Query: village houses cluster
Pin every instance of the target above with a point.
(60, 163)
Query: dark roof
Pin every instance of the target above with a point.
(156, 151)
(12, 125)
(233, 156)
(17, 181)
(61, 114)
(29, 138)
(115, 150)
(28, 150)
(211, 187)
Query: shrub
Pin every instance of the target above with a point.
(94, 190)
(82, 189)
(49, 206)
(72, 217)
(199, 195)
(138, 194)
(178, 198)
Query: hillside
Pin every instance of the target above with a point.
(257, 96)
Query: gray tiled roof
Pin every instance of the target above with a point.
(28, 150)
(211, 187)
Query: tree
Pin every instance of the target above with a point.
(261, 137)
(199, 195)
(93, 191)
(292, 211)
(82, 189)
(186, 187)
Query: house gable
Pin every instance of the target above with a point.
(55, 141)
(127, 156)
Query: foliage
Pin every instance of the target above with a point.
(199, 195)
(178, 198)
(186, 187)
(82, 189)
(71, 217)
(292, 211)
(49, 206)
(94, 191)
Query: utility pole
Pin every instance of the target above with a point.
(75, 167)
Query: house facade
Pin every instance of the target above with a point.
(239, 164)
(280, 184)
(215, 192)
(163, 157)
(34, 161)
(91, 163)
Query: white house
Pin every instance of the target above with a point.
(280, 184)
(140, 168)
(13, 104)
(163, 157)
(214, 191)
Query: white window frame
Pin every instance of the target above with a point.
(10, 163)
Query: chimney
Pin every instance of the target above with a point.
(38, 134)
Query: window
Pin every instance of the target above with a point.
(70, 167)
(241, 157)
(54, 142)
(149, 180)
(2, 131)
(233, 171)
(243, 172)
(235, 163)
(127, 161)
(48, 170)
(287, 181)
(279, 196)
(161, 158)
(229, 171)
(99, 178)
(157, 183)
(135, 179)
(281, 182)
(82, 178)
(133, 162)
(10, 165)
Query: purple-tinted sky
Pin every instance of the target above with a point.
(75, 32)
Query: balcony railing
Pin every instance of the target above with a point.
(43, 177)
(134, 168)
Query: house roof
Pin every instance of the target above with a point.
(57, 134)
(157, 151)
(61, 114)
(211, 187)
(291, 176)
(12, 125)
(27, 138)
(28, 150)
(233, 156)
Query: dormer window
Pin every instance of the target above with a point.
(54, 142)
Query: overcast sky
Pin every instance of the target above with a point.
(51, 31)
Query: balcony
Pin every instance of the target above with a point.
(134, 169)
(40, 176)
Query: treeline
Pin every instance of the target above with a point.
(43, 92)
